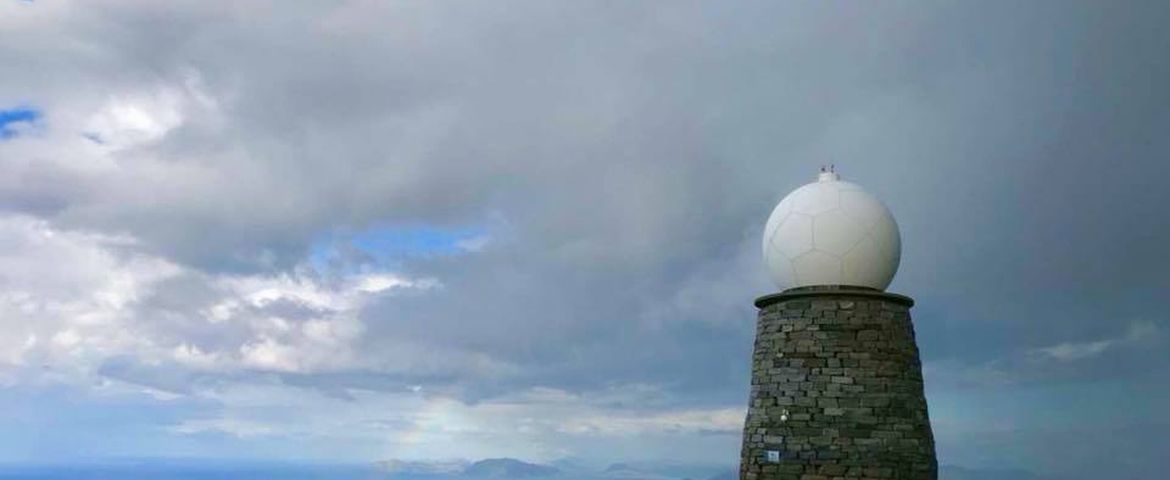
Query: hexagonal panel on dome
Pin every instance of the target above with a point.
(780, 269)
(778, 215)
(817, 268)
(859, 267)
(793, 236)
(861, 205)
(783, 208)
(815, 198)
(885, 233)
(836, 233)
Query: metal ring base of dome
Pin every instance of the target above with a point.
(831, 291)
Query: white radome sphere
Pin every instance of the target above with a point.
(831, 232)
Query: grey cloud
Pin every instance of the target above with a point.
(624, 157)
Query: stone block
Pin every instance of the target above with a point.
(846, 369)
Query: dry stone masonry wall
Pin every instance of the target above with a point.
(836, 390)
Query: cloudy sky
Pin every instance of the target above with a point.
(358, 230)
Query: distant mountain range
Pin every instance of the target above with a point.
(960, 473)
(510, 468)
(494, 469)
(944, 473)
(504, 468)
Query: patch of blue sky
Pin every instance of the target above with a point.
(417, 241)
(14, 121)
(386, 246)
(62, 425)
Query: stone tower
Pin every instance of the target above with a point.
(837, 387)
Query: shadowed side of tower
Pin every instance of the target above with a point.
(836, 389)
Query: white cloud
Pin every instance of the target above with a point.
(125, 121)
(474, 244)
(237, 428)
(1076, 351)
(69, 296)
(1137, 333)
(377, 283)
(538, 423)
(74, 300)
